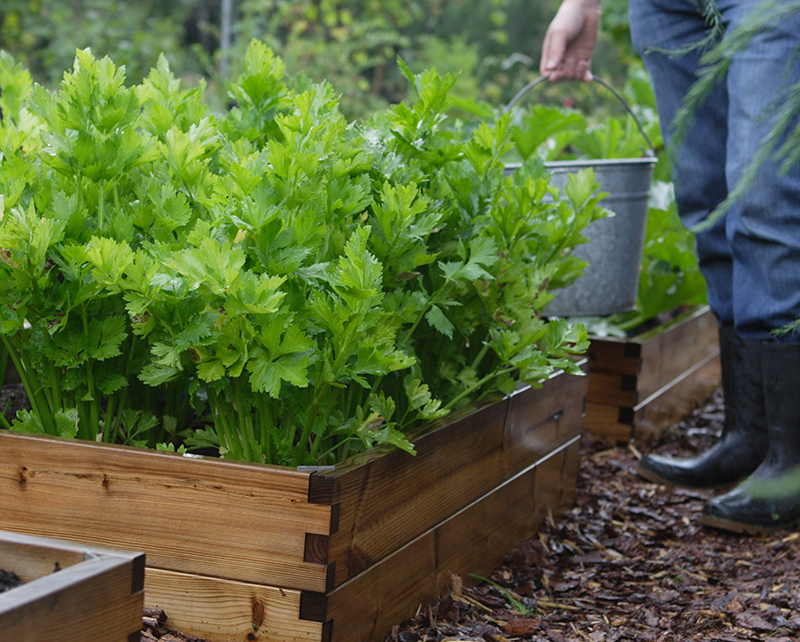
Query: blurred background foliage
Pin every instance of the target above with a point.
(353, 44)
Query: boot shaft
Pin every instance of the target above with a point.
(742, 385)
(781, 385)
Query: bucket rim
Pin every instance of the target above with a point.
(602, 162)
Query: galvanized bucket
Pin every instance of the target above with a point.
(614, 253)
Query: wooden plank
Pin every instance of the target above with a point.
(473, 540)
(97, 598)
(229, 611)
(118, 496)
(260, 526)
(614, 355)
(88, 601)
(569, 475)
(648, 419)
(33, 562)
(610, 388)
(659, 354)
(386, 502)
(541, 420)
(40, 556)
(671, 404)
(605, 420)
(620, 396)
(668, 354)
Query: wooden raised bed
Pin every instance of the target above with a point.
(247, 552)
(640, 386)
(71, 593)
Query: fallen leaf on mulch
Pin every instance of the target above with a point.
(754, 621)
(522, 625)
(631, 562)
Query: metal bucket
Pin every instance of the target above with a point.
(614, 253)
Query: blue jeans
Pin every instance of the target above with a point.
(750, 258)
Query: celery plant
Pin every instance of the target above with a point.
(312, 287)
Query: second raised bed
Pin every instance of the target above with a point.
(641, 385)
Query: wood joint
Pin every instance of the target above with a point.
(335, 510)
(629, 382)
(313, 606)
(633, 350)
(316, 549)
(626, 416)
(330, 577)
(320, 489)
(327, 631)
(137, 574)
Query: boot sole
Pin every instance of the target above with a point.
(745, 529)
(656, 479)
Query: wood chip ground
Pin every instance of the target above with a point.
(629, 562)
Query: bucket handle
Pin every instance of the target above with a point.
(651, 152)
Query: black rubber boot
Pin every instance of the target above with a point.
(744, 441)
(770, 498)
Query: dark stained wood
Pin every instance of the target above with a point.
(647, 421)
(313, 606)
(540, 421)
(474, 540)
(612, 355)
(316, 549)
(388, 501)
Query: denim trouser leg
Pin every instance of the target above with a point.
(750, 259)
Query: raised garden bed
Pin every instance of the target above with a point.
(241, 551)
(640, 386)
(70, 593)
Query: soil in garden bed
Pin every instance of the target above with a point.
(630, 562)
(8, 580)
(12, 399)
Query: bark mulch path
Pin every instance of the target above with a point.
(155, 629)
(629, 562)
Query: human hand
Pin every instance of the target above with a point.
(570, 41)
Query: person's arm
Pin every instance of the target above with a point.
(570, 41)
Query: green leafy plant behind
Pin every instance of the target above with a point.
(275, 284)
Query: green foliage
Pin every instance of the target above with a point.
(302, 286)
(670, 276)
(354, 43)
(16, 83)
(563, 134)
(44, 35)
